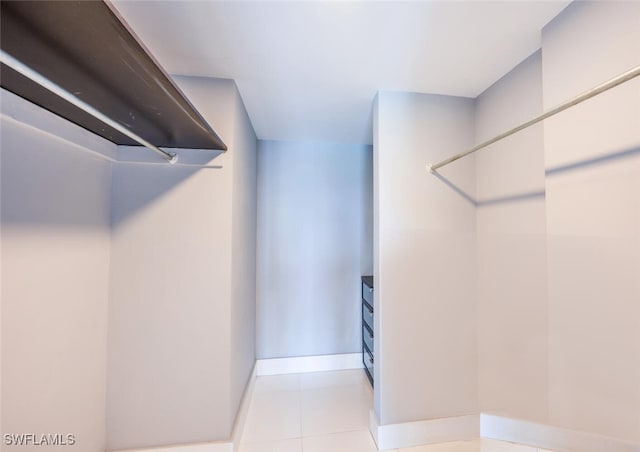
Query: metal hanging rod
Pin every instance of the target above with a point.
(620, 79)
(41, 80)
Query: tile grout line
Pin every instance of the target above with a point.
(364, 429)
(299, 379)
(299, 386)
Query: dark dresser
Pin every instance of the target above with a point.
(367, 326)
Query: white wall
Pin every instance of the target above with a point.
(511, 228)
(592, 160)
(559, 318)
(243, 253)
(314, 243)
(219, 101)
(180, 334)
(55, 275)
(166, 254)
(169, 329)
(424, 259)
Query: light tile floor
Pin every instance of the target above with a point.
(327, 412)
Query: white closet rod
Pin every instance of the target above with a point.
(41, 80)
(620, 79)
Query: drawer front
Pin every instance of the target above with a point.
(367, 316)
(367, 337)
(367, 294)
(368, 363)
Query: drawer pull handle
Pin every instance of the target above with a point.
(370, 337)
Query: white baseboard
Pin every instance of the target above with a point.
(374, 423)
(409, 434)
(460, 428)
(302, 364)
(549, 437)
(243, 410)
(222, 446)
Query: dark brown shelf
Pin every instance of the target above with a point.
(85, 48)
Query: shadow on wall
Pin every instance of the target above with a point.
(46, 180)
(489, 202)
(617, 155)
(613, 156)
(137, 186)
(467, 197)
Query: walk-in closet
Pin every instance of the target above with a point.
(320, 226)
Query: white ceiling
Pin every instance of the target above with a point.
(310, 70)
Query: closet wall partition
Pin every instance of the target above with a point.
(553, 217)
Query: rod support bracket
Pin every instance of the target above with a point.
(174, 157)
(430, 168)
